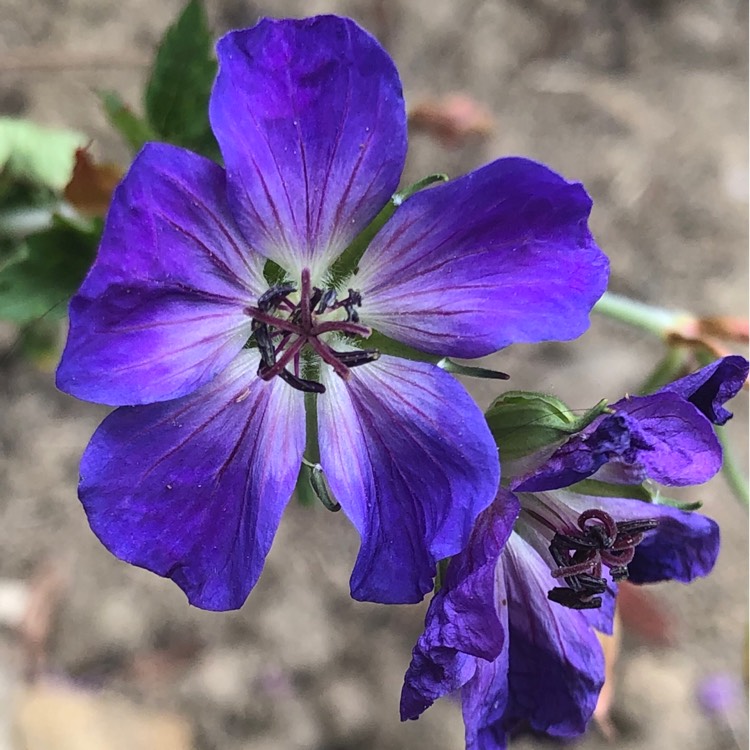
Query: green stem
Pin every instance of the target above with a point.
(648, 318)
(732, 473)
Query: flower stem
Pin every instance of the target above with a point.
(732, 473)
(650, 318)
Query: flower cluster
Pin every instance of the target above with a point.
(289, 309)
(513, 624)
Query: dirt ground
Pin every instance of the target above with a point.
(645, 102)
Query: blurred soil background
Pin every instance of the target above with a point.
(645, 102)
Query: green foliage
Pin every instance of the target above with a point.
(178, 90)
(35, 156)
(40, 276)
(523, 422)
(132, 128)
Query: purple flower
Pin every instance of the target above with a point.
(211, 364)
(513, 624)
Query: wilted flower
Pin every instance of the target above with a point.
(210, 362)
(513, 624)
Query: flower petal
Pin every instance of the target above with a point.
(193, 489)
(682, 448)
(712, 386)
(683, 546)
(500, 256)
(161, 311)
(556, 667)
(310, 118)
(410, 458)
(660, 437)
(462, 620)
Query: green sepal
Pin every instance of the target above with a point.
(447, 364)
(134, 130)
(273, 273)
(346, 264)
(597, 488)
(441, 570)
(178, 90)
(386, 345)
(672, 503)
(524, 422)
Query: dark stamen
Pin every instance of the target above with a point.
(282, 329)
(300, 384)
(580, 556)
(328, 300)
(272, 298)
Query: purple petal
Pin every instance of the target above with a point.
(581, 456)
(683, 546)
(161, 311)
(500, 256)
(484, 697)
(462, 620)
(410, 458)
(311, 122)
(556, 666)
(712, 386)
(661, 437)
(682, 448)
(431, 675)
(193, 489)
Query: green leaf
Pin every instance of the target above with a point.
(346, 264)
(40, 285)
(178, 90)
(37, 155)
(524, 422)
(132, 128)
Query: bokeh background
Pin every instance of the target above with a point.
(645, 102)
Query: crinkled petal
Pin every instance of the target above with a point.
(556, 666)
(683, 546)
(431, 675)
(681, 446)
(193, 489)
(484, 697)
(310, 118)
(161, 311)
(410, 458)
(462, 620)
(712, 386)
(500, 256)
(661, 437)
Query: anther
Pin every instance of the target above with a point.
(281, 330)
(581, 555)
(359, 357)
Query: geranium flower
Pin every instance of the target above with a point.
(210, 363)
(513, 624)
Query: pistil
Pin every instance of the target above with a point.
(297, 327)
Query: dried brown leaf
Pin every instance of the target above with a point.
(91, 186)
(452, 119)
